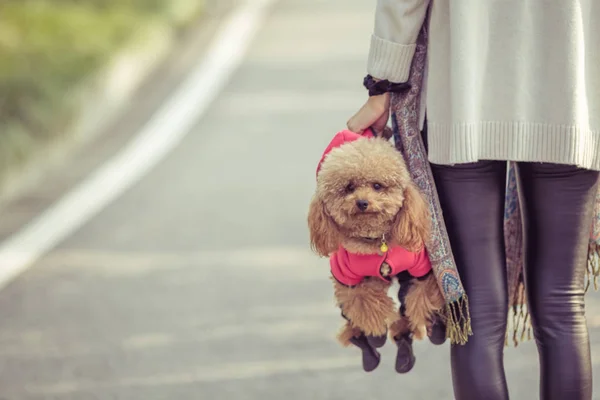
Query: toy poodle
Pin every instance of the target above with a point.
(370, 219)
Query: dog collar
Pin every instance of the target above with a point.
(383, 247)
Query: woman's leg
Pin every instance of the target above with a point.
(558, 205)
(472, 200)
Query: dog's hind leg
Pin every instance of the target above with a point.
(423, 303)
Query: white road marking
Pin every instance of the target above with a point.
(157, 138)
(215, 373)
(294, 332)
(296, 261)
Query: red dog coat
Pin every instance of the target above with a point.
(349, 269)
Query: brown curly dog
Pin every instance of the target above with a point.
(366, 203)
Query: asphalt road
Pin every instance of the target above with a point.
(198, 282)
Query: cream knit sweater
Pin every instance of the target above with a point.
(506, 79)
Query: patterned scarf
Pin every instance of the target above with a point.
(405, 109)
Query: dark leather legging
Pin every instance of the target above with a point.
(557, 205)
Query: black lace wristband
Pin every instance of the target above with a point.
(377, 88)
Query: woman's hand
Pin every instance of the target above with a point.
(373, 114)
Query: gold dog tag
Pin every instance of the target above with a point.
(384, 247)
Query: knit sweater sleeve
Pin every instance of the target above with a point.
(393, 43)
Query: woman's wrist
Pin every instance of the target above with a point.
(380, 102)
(378, 87)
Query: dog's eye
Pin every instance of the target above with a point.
(377, 186)
(350, 188)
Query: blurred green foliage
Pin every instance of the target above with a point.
(47, 47)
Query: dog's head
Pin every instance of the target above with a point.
(364, 194)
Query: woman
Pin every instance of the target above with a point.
(507, 80)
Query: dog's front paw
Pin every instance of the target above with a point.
(370, 356)
(368, 345)
(371, 323)
(367, 306)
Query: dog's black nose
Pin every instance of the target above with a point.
(362, 204)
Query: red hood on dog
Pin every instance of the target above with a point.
(341, 138)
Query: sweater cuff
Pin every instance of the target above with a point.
(389, 60)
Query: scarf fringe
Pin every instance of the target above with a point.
(458, 321)
(593, 266)
(520, 323)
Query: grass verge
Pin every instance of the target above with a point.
(47, 48)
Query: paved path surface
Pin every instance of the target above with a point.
(197, 283)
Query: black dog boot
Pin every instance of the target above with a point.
(437, 332)
(405, 358)
(377, 341)
(370, 356)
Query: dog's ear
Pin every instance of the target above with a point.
(324, 237)
(413, 222)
